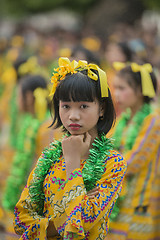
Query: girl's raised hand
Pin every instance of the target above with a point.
(75, 147)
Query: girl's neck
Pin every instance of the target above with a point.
(93, 134)
(30, 110)
(135, 109)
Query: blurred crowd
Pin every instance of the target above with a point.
(27, 59)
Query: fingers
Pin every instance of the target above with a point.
(92, 193)
(91, 197)
(86, 137)
(93, 190)
(73, 137)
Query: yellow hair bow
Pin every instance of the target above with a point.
(147, 85)
(30, 66)
(119, 65)
(40, 104)
(65, 67)
(145, 70)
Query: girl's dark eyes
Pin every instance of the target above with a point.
(120, 88)
(65, 106)
(83, 106)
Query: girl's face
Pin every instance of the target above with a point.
(114, 53)
(125, 95)
(80, 117)
(25, 104)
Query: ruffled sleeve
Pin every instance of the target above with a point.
(75, 215)
(28, 223)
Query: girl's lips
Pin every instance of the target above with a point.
(74, 126)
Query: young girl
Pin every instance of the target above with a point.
(28, 142)
(72, 190)
(26, 138)
(137, 138)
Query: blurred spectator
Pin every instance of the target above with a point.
(80, 52)
(137, 138)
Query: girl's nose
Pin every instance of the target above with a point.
(74, 115)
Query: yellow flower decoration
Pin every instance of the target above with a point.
(65, 67)
(145, 70)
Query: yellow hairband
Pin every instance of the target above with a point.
(40, 104)
(145, 70)
(30, 66)
(65, 67)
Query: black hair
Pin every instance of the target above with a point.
(17, 64)
(79, 87)
(90, 56)
(134, 80)
(31, 82)
(126, 50)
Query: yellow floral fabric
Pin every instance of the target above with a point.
(66, 203)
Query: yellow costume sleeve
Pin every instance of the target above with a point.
(28, 223)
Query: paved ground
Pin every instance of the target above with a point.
(4, 236)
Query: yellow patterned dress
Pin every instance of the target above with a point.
(66, 203)
(139, 216)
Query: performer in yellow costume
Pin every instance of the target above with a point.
(72, 190)
(137, 138)
(32, 137)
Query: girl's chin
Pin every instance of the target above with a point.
(76, 132)
(122, 107)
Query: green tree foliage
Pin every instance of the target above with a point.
(24, 7)
(152, 4)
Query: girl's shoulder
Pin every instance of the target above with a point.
(50, 154)
(54, 144)
(153, 115)
(115, 158)
(115, 155)
(152, 120)
(115, 165)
